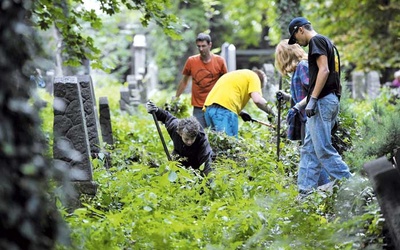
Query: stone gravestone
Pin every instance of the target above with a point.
(124, 100)
(231, 60)
(151, 79)
(71, 150)
(134, 95)
(373, 84)
(385, 178)
(139, 55)
(224, 51)
(359, 89)
(106, 128)
(105, 121)
(271, 86)
(49, 79)
(135, 87)
(90, 111)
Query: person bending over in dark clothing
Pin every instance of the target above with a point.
(191, 145)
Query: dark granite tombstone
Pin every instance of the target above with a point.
(105, 121)
(385, 178)
(90, 111)
(71, 144)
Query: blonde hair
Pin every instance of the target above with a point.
(288, 56)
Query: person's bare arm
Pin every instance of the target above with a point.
(261, 103)
(323, 73)
(182, 85)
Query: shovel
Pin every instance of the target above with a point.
(161, 135)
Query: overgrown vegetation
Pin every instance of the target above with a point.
(147, 202)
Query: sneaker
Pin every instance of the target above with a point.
(328, 187)
(303, 194)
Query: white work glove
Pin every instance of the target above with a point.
(311, 106)
(151, 107)
(281, 95)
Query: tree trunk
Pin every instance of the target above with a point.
(28, 219)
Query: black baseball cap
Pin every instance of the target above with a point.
(294, 25)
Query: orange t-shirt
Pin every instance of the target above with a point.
(204, 76)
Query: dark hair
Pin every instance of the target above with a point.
(189, 126)
(308, 27)
(203, 37)
(261, 75)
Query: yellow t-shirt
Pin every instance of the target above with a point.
(233, 89)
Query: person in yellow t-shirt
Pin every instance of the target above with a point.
(230, 95)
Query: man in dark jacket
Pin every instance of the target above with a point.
(191, 144)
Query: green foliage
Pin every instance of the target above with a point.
(377, 126)
(362, 29)
(47, 119)
(170, 53)
(246, 22)
(69, 16)
(248, 202)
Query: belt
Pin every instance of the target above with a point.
(216, 105)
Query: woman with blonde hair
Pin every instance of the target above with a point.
(292, 60)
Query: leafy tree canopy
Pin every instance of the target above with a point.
(68, 17)
(367, 32)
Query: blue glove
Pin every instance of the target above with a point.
(311, 106)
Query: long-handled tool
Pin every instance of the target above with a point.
(278, 130)
(263, 123)
(161, 135)
(247, 118)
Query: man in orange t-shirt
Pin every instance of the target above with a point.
(205, 69)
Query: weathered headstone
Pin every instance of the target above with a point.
(224, 50)
(135, 89)
(106, 128)
(105, 121)
(124, 102)
(139, 55)
(359, 88)
(71, 144)
(49, 79)
(385, 178)
(90, 111)
(373, 84)
(231, 60)
(134, 95)
(271, 86)
(151, 79)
